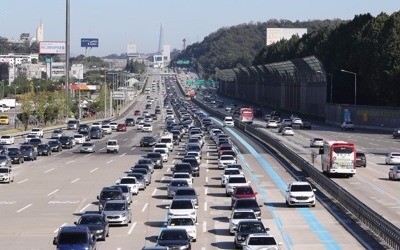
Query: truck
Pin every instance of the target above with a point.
(9, 102)
(112, 146)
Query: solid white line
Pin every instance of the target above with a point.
(122, 154)
(133, 148)
(144, 207)
(109, 161)
(205, 191)
(204, 226)
(91, 171)
(205, 206)
(132, 227)
(22, 181)
(22, 209)
(206, 179)
(70, 162)
(55, 191)
(77, 179)
(154, 192)
(84, 208)
(55, 231)
(51, 169)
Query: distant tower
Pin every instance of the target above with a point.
(40, 32)
(161, 41)
(184, 43)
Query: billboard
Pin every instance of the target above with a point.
(51, 48)
(89, 42)
(131, 49)
(276, 34)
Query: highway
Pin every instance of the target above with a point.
(53, 191)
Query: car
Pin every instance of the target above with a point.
(4, 120)
(194, 164)
(88, 147)
(107, 129)
(112, 146)
(228, 172)
(347, 125)
(183, 176)
(287, 131)
(225, 160)
(66, 142)
(137, 112)
(196, 155)
(113, 125)
(29, 152)
(272, 124)
(6, 175)
(145, 171)
(235, 181)
(96, 133)
(79, 138)
(396, 133)
(394, 173)
(147, 162)
(129, 121)
(238, 215)
(83, 128)
(35, 142)
(96, 125)
(156, 158)
(85, 134)
(174, 239)
(182, 207)
(75, 237)
(121, 127)
(228, 121)
(141, 180)
(117, 212)
(126, 191)
(297, 121)
(175, 185)
(44, 149)
(131, 182)
(164, 153)
(316, 143)
(97, 224)
(37, 131)
(300, 193)
(183, 222)
(29, 137)
(392, 158)
(140, 125)
(15, 155)
(73, 124)
(245, 228)
(147, 127)
(56, 134)
(242, 192)
(261, 241)
(109, 193)
(306, 126)
(55, 145)
(7, 139)
(148, 118)
(187, 193)
(361, 159)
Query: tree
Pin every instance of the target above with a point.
(27, 109)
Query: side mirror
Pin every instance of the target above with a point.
(55, 241)
(167, 206)
(280, 244)
(197, 223)
(248, 182)
(315, 190)
(235, 229)
(287, 190)
(10, 170)
(98, 197)
(75, 223)
(196, 206)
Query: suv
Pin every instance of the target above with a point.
(73, 237)
(300, 193)
(156, 158)
(182, 207)
(29, 152)
(193, 163)
(112, 146)
(361, 159)
(175, 185)
(129, 122)
(73, 124)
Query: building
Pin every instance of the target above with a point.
(57, 70)
(166, 52)
(77, 71)
(131, 49)
(40, 32)
(33, 71)
(18, 59)
(276, 34)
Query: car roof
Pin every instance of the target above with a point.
(300, 183)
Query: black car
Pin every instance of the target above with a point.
(44, 149)
(248, 203)
(97, 224)
(194, 164)
(35, 142)
(73, 237)
(66, 141)
(28, 151)
(396, 133)
(148, 106)
(96, 133)
(130, 121)
(147, 141)
(157, 111)
(55, 146)
(156, 158)
(182, 168)
(361, 159)
(305, 126)
(154, 116)
(83, 127)
(15, 156)
(109, 193)
(174, 238)
(246, 227)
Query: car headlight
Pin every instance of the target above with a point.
(239, 237)
(99, 231)
(312, 196)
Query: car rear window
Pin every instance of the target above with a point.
(262, 241)
(72, 238)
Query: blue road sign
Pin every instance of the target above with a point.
(89, 42)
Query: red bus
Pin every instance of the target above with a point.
(339, 157)
(246, 115)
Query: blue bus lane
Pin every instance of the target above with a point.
(306, 213)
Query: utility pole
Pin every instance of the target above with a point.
(67, 54)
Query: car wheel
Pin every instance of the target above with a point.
(390, 177)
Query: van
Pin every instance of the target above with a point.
(168, 139)
(73, 124)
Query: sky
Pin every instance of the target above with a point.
(119, 22)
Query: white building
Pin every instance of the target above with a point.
(77, 71)
(57, 70)
(166, 52)
(33, 71)
(276, 34)
(15, 59)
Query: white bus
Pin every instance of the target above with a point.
(338, 157)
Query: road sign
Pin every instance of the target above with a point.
(118, 95)
(89, 42)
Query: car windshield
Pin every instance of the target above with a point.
(232, 172)
(166, 140)
(26, 147)
(91, 220)
(300, 188)
(179, 183)
(42, 146)
(144, 161)
(4, 170)
(181, 222)
(246, 203)
(173, 235)
(114, 207)
(255, 227)
(110, 195)
(247, 190)
(181, 176)
(78, 136)
(128, 181)
(262, 241)
(87, 144)
(112, 143)
(72, 238)
(244, 215)
(343, 150)
(185, 192)
(395, 155)
(181, 204)
(53, 143)
(5, 137)
(237, 180)
(227, 158)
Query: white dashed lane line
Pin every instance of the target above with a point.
(22, 209)
(93, 170)
(77, 179)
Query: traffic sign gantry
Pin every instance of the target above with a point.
(118, 95)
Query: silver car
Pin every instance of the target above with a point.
(126, 191)
(5, 161)
(175, 185)
(117, 212)
(87, 147)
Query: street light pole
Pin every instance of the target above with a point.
(67, 26)
(355, 84)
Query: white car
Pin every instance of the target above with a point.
(140, 125)
(238, 215)
(148, 118)
(347, 125)
(316, 143)
(107, 129)
(394, 173)
(287, 131)
(96, 124)
(131, 182)
(272, 124)
(183, 222)
(57, 133)
(228, 121)
(300, 193)
(161, 145)
(297, 121)
(7, 139)
(392, 158)
(228, 172)
(114, 125)
(164, 153)
(79, 138)
(183, 176)
(261, 241)
(28, 137)
(147, 127)
(225, 160)
(233, 182)
(182, 207)
(37, 131)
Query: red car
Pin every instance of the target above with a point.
(121, 127)
(137, 112)
(245, 192)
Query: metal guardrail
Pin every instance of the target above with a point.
(388, 232)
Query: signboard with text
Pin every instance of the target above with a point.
(52, 48)
(89, 42)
